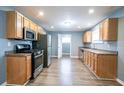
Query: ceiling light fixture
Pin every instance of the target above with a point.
(91, 11)
(41, 13)
(68, 22)
(52, 27)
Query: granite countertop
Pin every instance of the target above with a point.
(97, 51)
(13, 53)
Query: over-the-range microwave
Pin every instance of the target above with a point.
(28, 34)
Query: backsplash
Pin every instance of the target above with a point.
(111, 45)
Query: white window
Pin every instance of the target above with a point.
(96, 35)
(66, 39)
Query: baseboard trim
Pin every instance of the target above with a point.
(18, 84)
(70, 56)
(65, 53)
(120, 81)
(3, 84)
(74, 57)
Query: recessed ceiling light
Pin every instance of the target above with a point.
(41, 13)
(91, 11)
(52, 27)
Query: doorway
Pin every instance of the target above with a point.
(64, 45)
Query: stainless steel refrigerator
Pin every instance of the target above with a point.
(44, 43)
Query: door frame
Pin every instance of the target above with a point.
(70, 43)
(59, 36)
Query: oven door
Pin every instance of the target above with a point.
(37, 65)
(38, 61)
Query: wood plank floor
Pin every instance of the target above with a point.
(68, 72)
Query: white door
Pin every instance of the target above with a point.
(59, 45)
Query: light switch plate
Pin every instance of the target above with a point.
(9, 44)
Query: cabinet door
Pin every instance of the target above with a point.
(35, 27)
(36, 30)
(19, 28)
(16, 71)
(101, 31)
(87, 37)
(88, 58)
(40, 30)
(32, 25)
(107, 66)
(28, 62)
(109, 29)
(84, 57)
(105, 29)
(113, 29)
(14, 25)
(91, 60)
(96, 63)
(26, 22)
(84, 37)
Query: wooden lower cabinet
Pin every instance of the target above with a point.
(103, 65)
(28, 63)
(96, 63)
(18, 69)
(107, 65)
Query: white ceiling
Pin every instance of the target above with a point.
(56, 15)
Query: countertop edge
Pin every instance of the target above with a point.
(100, 51)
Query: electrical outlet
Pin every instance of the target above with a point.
(108, 46)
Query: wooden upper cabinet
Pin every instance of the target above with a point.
(41, 30)
(26, 22)
(32, 26)
(14, 25)
(36, 30)
(87, 37)
(100, 31)
(35, 27)
(109, 29)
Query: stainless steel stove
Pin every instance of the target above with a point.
(37, 58)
